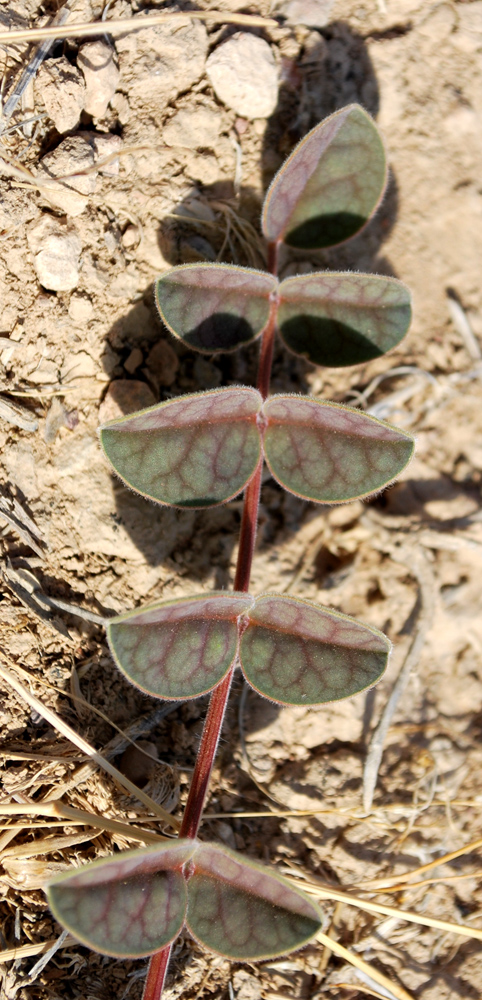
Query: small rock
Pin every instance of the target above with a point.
(80, 309)
(244, 75)
(130, 237)
(163, 362)
(123, 397)
(135, 359)
(312, 13)
(57, 417)
(57, 249)
(192, 129)
(72, 155)
(105, 146)
(96, 60)
(120, 105)
(62, 89)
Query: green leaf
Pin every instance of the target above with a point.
(331, 453)
(238, 908)
(178, 649)
(128, 905)
(193, 451)
(330, 185)
(215, 307)
(342, 319)
(296, 652)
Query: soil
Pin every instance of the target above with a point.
(187, 187)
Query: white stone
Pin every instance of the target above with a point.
(56, 248)
(62, 89)
(96, 60)
(312, 13)
(244, 75)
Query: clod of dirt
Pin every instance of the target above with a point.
(163, 362)
(96, 60)
(166, 62)
(105, 146)
(62, 89)
(193, 129)
(124, 397)
(57, 249)
(244, 75)
(80, 309)
(72, 155)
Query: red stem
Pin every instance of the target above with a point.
(203, 767)
(156, 974)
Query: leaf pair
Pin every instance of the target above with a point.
(330, 318)
(291, 651)
(323, 195)
(202, 449)
(137, 902)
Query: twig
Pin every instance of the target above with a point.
(16, 414)
(79, 816)
(393, 989)
(13, 512)
(136, 23)
(420, 567)
(462, 325)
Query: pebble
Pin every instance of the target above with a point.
(163, 362)
(73, 154)
(312, 13)
(96, 60)
(61, 87)
(56, 248)
(133, 361)
(244, 75)
(124, 396)
(80, 309)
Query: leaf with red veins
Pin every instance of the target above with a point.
(238, 908)
(342, 319)
(328, 452)
(178, 649)
(331, 184)
(296, 652)
(193, 451)
(128, 905)
(215, 307)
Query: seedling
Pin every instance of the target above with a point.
(203, 449)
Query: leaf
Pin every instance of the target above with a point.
(193, 451)
(296, 652)
(331, 453)
(239, 909)
(128, 905)
(342, 319)
(330, 185)
(178, 649)
(215, 307)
